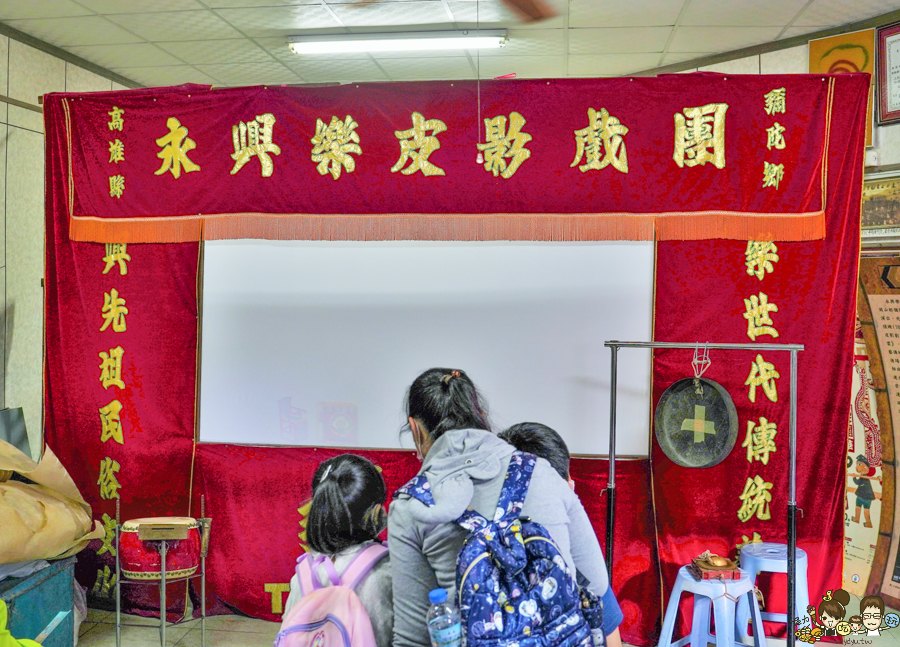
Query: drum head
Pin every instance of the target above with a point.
(132, 525)
(696, 423)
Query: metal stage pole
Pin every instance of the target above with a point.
(611, 484)
(792, 508)
(614, 346)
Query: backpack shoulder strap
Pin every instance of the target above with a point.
(308, 572)
(418, 488)
(362, 564)
(515, 486)
(304, 574)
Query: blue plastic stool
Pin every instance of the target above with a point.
(772, 558)
(722, 595)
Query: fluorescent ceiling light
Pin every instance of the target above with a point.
(399, 42)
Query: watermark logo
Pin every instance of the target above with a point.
(832, 618)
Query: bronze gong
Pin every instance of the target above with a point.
(696, 423)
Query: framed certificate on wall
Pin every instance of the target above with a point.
(881, 207)
(889, 74)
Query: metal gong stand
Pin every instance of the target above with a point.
(793, 349)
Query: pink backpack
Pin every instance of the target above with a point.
(330, 616)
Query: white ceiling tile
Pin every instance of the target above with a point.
(163, 76)
(611, 64)
(493, 14)
(748, 65)
(376, 15)
(280, 21)
(81, 30)
(13, 9)
(615, 13)
(130, 6)
(241, 4)
(790, 32)
(339, 71)
(176, 25)
(741, 13)
(427, 69)
(841, 12)
(679, 57)
(530, 42)
(271, 73)
(618, 40)
(720, 39)
(207, 52)
(793, 60)
(79, 79)
(524, 67)
(130, 55)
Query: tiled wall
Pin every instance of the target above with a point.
(26, 73)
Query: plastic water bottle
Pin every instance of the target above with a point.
(444, 626)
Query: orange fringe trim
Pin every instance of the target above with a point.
(783, 227)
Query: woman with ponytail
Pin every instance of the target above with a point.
(346, 516)
(465, 465)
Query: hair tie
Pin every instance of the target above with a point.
(449, 376)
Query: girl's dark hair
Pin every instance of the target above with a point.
(346, 510)
(836, 607)
(445, 399)
(542, 441)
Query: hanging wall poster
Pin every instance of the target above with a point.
(843, 54)
(862, 502)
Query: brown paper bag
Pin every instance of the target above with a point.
(45, 520)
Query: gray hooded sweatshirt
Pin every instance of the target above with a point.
(467, 467)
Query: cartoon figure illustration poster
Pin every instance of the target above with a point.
(862, 505)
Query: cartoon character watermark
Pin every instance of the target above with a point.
(829, 618)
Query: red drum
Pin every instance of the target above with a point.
(140, 558)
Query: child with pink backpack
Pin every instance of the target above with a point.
(341, 591)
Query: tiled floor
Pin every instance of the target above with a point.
(99, 630)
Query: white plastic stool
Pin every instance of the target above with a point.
(772, 558)
(722, 595)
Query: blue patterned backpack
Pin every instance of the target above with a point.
(514, 587)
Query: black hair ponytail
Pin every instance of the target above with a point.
(347, 504)
(445, 399)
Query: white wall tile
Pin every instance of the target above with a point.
(3, 137)
(749, 65)
(4, 75)
(24, 270)
(32, 73)
(887, 143)
(119, 86)
(4, 316)
(794, 60)
(79, 79)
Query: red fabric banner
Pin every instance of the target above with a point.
(813, 285)
(679, 157)
(121, 336)
(120, 385)
(235, 479)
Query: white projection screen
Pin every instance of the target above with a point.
(315, 343)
